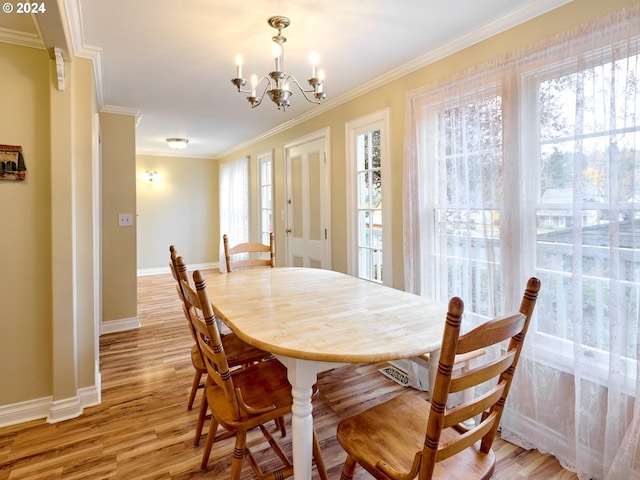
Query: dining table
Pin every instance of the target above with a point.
(313, 320)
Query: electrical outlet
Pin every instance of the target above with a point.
(125, 219)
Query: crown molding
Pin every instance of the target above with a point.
(500, 25)
(134, 112)
(489, 30)
(23, 39)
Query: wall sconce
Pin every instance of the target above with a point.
(150, 176)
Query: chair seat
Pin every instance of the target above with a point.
(240, 352)
(262, 384)
(371, 437)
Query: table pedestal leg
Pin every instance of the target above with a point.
(434, 358)
(302, 374)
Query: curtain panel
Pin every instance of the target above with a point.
(529, 165)
(234, 204)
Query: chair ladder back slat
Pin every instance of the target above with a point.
(460, 413)
(491, 332)
(481, 374)
(467, 439)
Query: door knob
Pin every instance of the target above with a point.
(288, 230)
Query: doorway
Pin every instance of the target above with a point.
(307, 201)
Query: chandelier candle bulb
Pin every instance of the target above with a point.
(254, 82)
(321, 78)
(277, 52)
(314, 64)
(239, 66)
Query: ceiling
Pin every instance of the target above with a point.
(170, 63)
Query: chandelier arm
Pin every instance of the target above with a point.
(250, 90)
(255, 101)
(305, 93)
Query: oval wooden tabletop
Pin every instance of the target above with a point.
(324, 315)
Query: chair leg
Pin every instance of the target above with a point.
(204, 405)
(348, 469)
(211, 437)
(280, 423)
(275, 446)
(194, 388)
(239, 452)
(319, 460)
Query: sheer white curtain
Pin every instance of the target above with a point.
(234, 204)
(529, 165)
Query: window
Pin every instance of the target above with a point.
(265, 179)
(467, 198)
(564, 207)
(587, 200)
(370, 222)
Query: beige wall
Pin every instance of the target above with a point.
(47, 347)
(119, 295)
(392, 96)
(25, 251)
(179, 207)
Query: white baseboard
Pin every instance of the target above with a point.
(120, 325)
(24, 411)
(64, 409)
(46, 408)
(144, 272)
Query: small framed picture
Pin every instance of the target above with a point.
(12, 166)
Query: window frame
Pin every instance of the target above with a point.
(261, 160)
(379, 120)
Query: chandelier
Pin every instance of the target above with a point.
(277, 83)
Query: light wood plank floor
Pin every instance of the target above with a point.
(143, 430)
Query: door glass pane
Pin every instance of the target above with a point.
(369, 178)
(315, 227)
(298, 228)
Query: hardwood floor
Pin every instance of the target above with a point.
(143, 430)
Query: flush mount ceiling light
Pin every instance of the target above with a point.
(177, 143)
(276, 83)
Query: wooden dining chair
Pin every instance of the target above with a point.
(249, 254)
(389, 440)
(239, 353)
(245, 400)
(196, 355)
